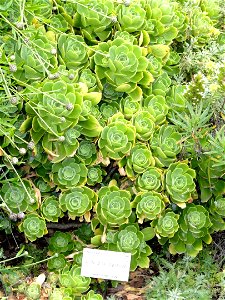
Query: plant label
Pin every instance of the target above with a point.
(105, 264)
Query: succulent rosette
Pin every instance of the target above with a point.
(77, 201)
(122, 64)
(180, 183)
(129, 106)
(195, 225)
(202, 27)
(161, 85)
(39, 8)
(69, 173)
(95, 18)
(50, 209)
(43, 186)
(110, 94)
(163, 20)
(95, 174)
(87, 152)
(151, 180)
(149, 205)
(92, 296)
(165, 145)
(131, 17)
(217, 205)
(72, 50)
(195, 218)
(71, 278)
(35, 64)
(108, 110)
(130, 239)
(58, 23)
(114, 207)
(89, 78)
(19, 196)
(61, 242)
(117, 139)
(60, 294)
(64, 146)
(139, 160)
(157, 107)
(176, 98)
(57, 263)
(59, 105)
(144, 123)
(166, 225)
(155, 65)
(33, 226)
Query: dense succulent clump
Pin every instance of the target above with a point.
(112, 125)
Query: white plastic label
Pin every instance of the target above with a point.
(105, 264)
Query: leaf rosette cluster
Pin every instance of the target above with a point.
(69, 173)
(93, 16)
(139, 160)
(50, 209)
(130, 239)
(57, 263)
(217, 206)
(114, 207)
(55, 108)
(33, 226)
(117, 139)
(77, 201)
(166, 225)
(122, 64)
(61, 242)
(19, 196)
(35, 64)
(144, 123)
(195, 226)
(72, 51)
(150, 180)
(165, 145)
(149, 205)
(95, 174)
(87, 152)
(180, 183)
(71, 278)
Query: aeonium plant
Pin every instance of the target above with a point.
(33, 226)
(54, 107)
(71, 278)
(117, 138)
(72, 51)
(151, 179)
(77, 201)
(166, 225)
(194, 228)
(95, 18)
(180, 183)
(122, 64)
(139, 160)
(50, 209)
(113, 208)
(68, 173)
(129, 238)
(144, 123)
(61, 242)
(19, 196)
(149, 205)
(165, 145)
